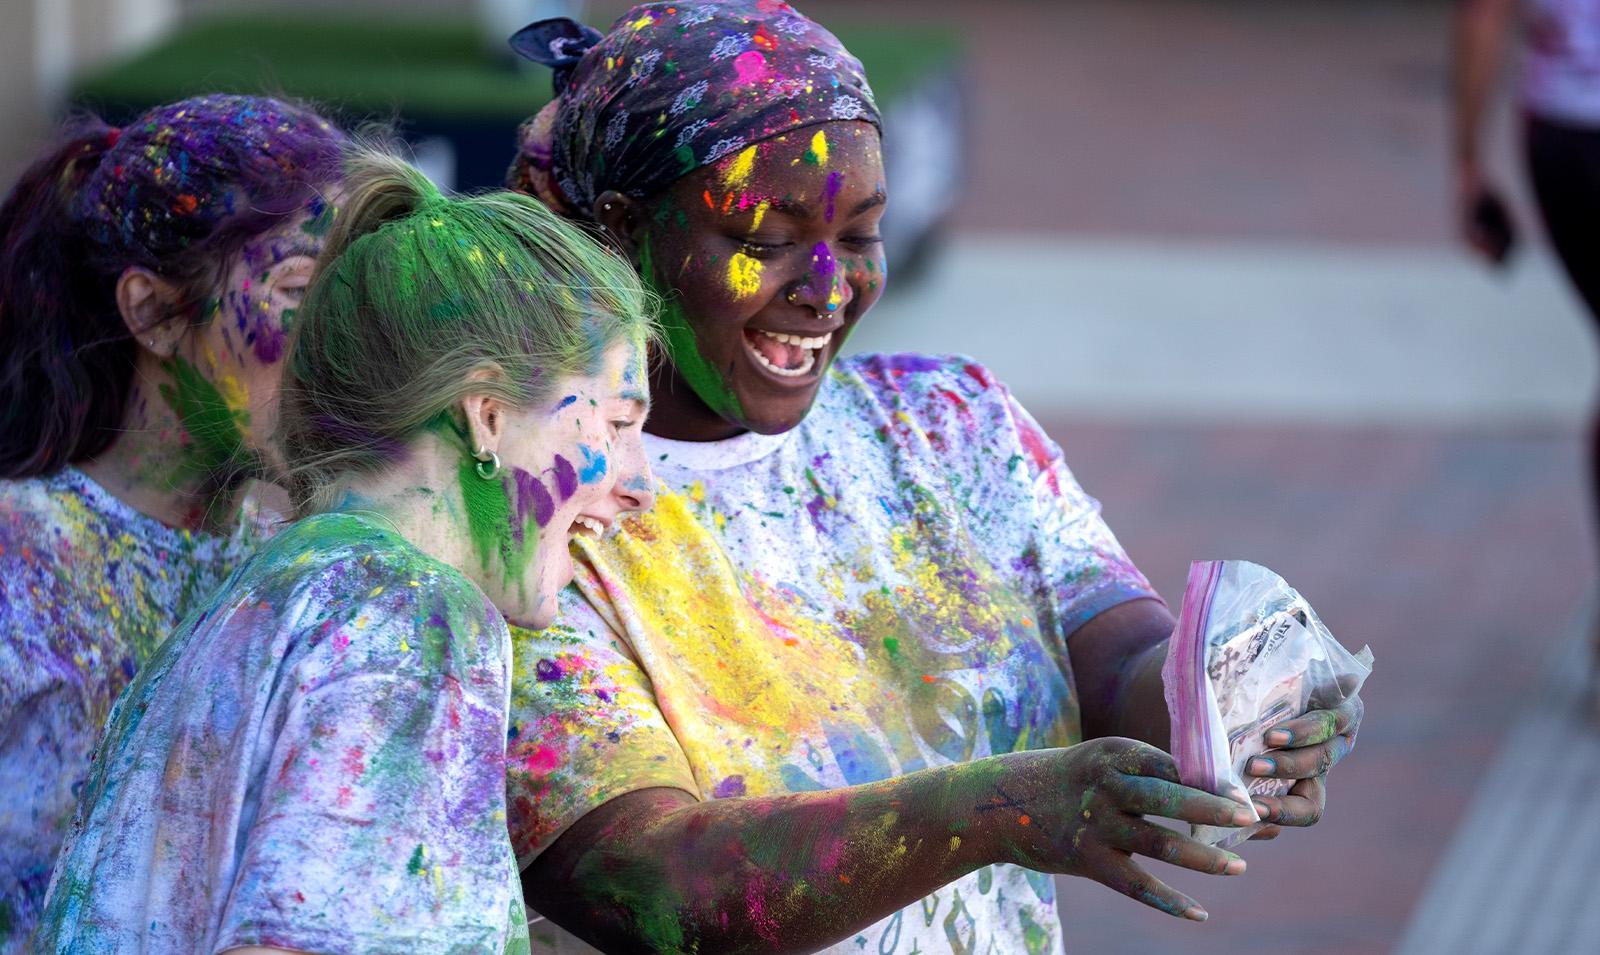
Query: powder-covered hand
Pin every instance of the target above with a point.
(1309, 746)
(1080, 811)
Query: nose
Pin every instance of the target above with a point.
(825, 289)
(635, 487)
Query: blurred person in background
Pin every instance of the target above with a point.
(833, 692)
(314, 760)
(1560, 100)
(148, 276)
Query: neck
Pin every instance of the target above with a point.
(166, 466)
(679, 414)
(420, 499)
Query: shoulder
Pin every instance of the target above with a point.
(952, 399)
(42, 521)
(354, 586)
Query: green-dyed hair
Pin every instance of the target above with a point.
(416, 296)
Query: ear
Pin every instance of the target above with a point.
(485, 415)
(623, 219)
(145, 301)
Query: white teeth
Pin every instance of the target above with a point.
(590, 524)
(805, 366)
(799, 340)
(811, 346)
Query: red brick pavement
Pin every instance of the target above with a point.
(1461, 559)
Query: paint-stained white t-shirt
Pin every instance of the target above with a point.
(314, 761)
(890, 586)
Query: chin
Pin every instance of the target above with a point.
(533, 618)
(768, 413)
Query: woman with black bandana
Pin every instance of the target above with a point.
(833, 692)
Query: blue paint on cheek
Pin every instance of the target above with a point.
(569, 399)
(594, 465)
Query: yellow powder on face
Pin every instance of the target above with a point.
(819, 147)
(738, 173)
(761, 213)
(744, 275)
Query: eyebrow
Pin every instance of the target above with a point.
(799, 210)
(878, 198)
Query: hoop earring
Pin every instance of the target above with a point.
(484, 456)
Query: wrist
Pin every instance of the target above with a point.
(983, 800)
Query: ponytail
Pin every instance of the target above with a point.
(415, 295)
(66, 360)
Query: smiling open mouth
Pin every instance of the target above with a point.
(787, 356)
(585, 526)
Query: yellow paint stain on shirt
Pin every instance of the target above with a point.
(674, 589)
(744, 275)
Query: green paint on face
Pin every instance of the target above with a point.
(684, 350)
(320, 223)
(418, 861)
(488, 512)
(490, 521)
(215, 430)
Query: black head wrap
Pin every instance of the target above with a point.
(673, 87)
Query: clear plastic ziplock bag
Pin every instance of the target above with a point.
(1249, 653)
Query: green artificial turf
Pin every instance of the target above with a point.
(439, 69)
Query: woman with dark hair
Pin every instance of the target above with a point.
(313, 761)
(834, 692)
(147, 278)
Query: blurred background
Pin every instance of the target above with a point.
(1209, 244)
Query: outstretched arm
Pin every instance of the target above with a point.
(657, 870)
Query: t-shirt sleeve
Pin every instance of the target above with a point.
(585, 725)
(1071, 557)
(1029, 513)
(378, 824)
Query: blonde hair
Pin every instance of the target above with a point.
(417, 295)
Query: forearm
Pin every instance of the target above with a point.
(789, 873)
(1479, 40)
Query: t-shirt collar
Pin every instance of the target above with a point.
(731, 452)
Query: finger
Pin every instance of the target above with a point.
(1301, 806)
(1143, 795)
(1299, 763)
(1317, 726)
(1175, 848)
(1119, 872)
(1135, 758)
(1267, 833)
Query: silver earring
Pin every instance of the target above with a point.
(485, 456)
